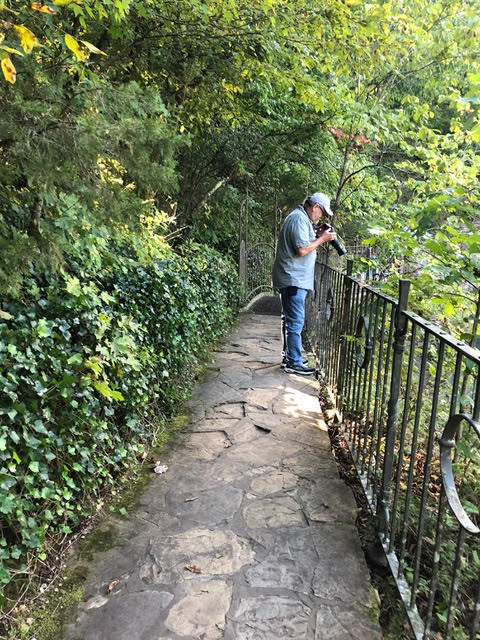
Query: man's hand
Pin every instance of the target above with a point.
(325, 235)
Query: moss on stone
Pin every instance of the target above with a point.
(101, 539)
(51, 618)
(372, 609)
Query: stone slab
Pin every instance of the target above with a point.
(262, 398)
(226, 410)
(338, 623)
(193, 553)
(311, 465)
(201, 612)
(274, 482)
(291, 562)
(212, 506)
(268, 618)
(245, 431)
(271, 452)
(341, 574)
(125, 615)
(203, 446)
(273, 512)
(327, 500)
(212, 424)
(215, 393)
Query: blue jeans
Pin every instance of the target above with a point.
(293, 303)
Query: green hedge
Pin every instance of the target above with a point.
(90, 358)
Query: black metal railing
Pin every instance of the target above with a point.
(408, 395)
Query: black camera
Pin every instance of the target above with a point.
(336, 244)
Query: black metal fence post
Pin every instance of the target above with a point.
(383, 510)
(347, 297)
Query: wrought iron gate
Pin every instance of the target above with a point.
(256, 270)
(255, 259)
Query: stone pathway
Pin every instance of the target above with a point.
(250, 533)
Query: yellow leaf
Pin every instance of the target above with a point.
(91, 47)
(9, 70)
(27, 38)
(73, 45)
(65, 3)
(43, 8)
(10, 50)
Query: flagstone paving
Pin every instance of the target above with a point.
(250, 533)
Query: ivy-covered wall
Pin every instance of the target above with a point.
(91, 358)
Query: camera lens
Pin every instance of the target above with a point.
(338, 246)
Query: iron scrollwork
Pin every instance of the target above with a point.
(330, 304)
(363, 351)
(447, 444)
(258, 269)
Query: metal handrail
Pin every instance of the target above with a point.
(408, 394)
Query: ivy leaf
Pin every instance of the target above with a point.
(102, 387)
(43, 329)
(39, 427)
(77, 358)
(4, 575)
(7, 503)
(476, 133)
(73, 286)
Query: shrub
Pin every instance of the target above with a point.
(89, 357)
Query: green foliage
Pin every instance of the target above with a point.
(199, 114)
(89, 357)
(118, 168)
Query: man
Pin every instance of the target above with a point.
(293, 271)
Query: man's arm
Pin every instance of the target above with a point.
(324, 236)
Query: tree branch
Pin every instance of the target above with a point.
(211, 191)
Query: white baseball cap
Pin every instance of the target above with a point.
(323, 200)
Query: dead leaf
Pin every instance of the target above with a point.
(193, 568)
(9, 70)
(43, 8)
(112, 585)
(28, 39)
(73, 45)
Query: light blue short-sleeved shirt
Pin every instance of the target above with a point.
(290, 269)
